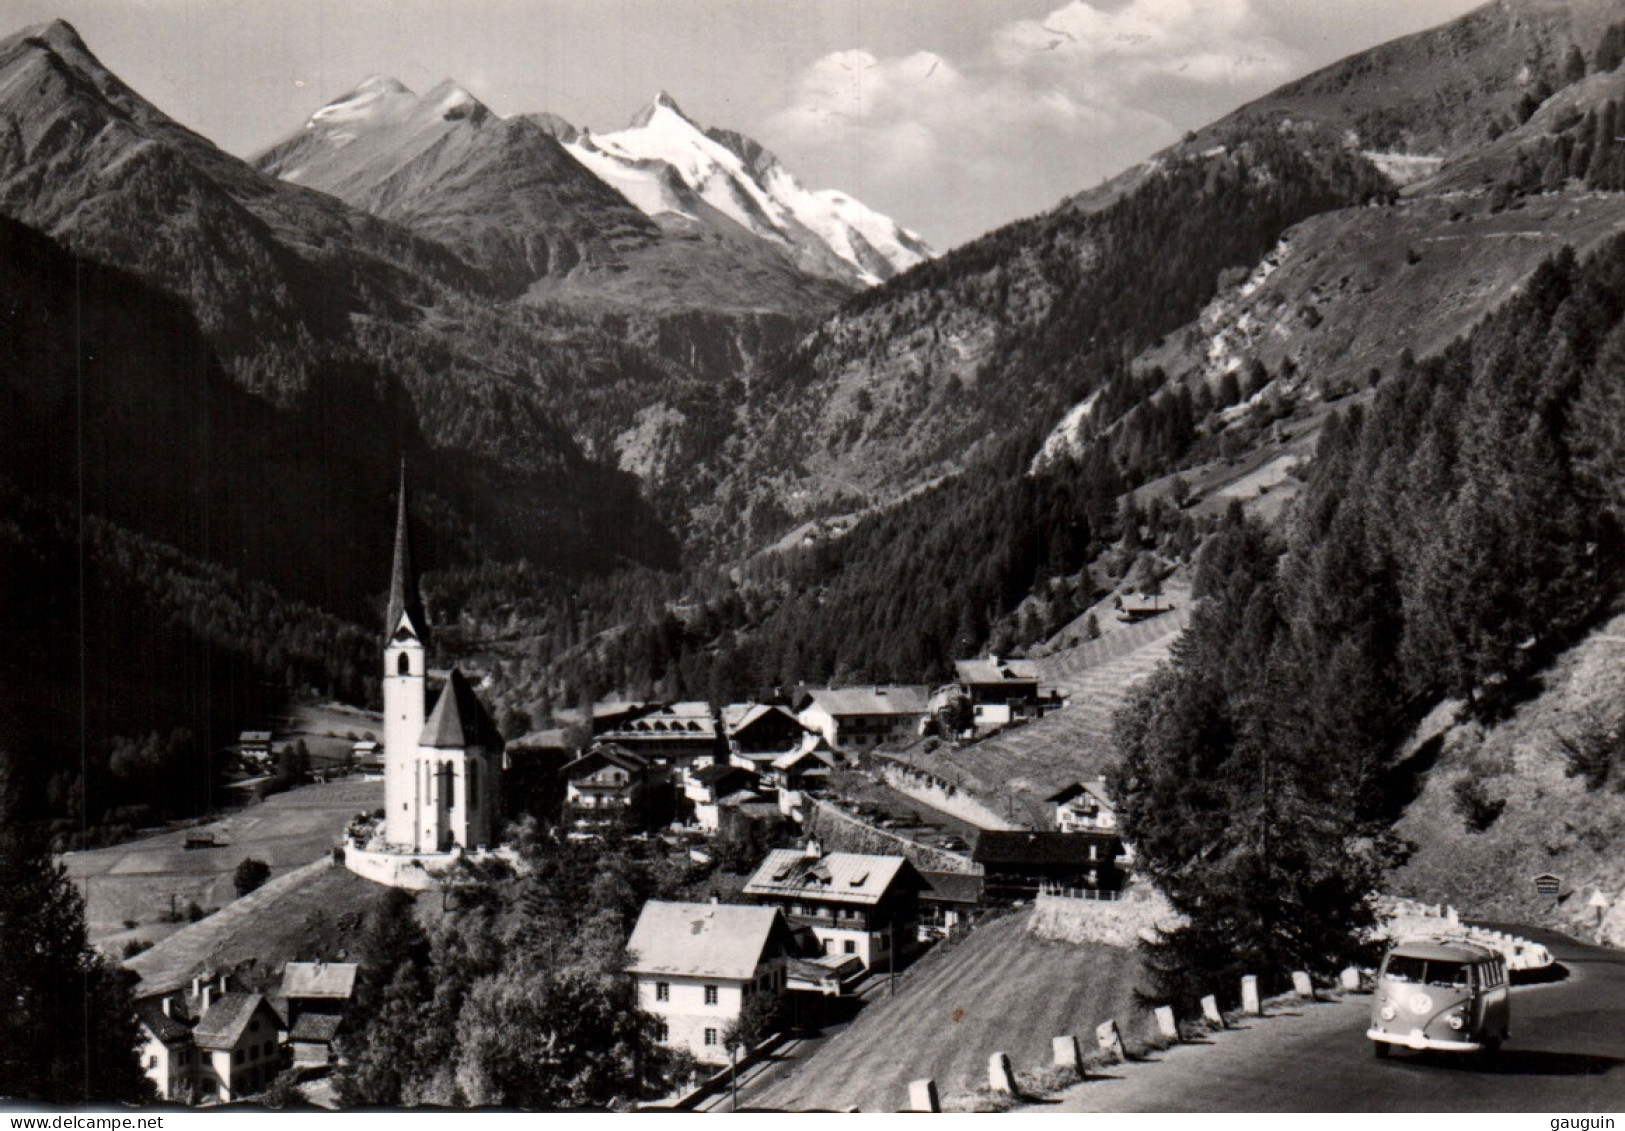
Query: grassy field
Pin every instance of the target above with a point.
(141, 879)
(998, 990)
(329, 730)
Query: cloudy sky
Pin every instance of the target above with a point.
(953, 116)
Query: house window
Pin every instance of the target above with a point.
(662, 991)
(662, 1032)
(237, 1057)
(711, 1037)
(850, 946)
(710, 995)
(152, 1062)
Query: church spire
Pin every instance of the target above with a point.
(403, 579)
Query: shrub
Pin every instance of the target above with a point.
(1591, 750)
(1477, 808)
(251, 874)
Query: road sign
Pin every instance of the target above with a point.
(1599, 901)
(1548, 885)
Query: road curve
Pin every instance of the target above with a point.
(1567, 1053)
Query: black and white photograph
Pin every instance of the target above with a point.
(853, 556)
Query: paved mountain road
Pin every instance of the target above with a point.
(1567, 1054)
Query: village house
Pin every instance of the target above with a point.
(867, 906)
(681, 736)
(707, 786)
(801, 770)
(1018, 864)
(760, 733)
(856, 719)
(697, 964)
(1000, 690)
(254, 748)
(238, 1041)
(367, 755)
(168, 1056)
(1084, 806)
(317, 995)
(611, 785)
(948, 902)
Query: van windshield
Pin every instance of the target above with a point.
(1427, 972)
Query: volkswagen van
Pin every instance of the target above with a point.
(1442, 994)
(1445, 995)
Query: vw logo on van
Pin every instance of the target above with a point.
(1421, 1003)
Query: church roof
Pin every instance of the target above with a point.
(458, 720)
(403, 579)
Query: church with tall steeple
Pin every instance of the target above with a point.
(442, 766)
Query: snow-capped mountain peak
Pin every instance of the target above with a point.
(666, 164)
(661, 103)
(377, 98)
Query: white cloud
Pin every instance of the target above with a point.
(1044, 109)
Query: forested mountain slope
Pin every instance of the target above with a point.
(1452, 539)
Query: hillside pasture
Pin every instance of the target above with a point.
(141, 880)
(999, 989)
(1014, 770)
(308, 913)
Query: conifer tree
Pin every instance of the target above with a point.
(68, 1031)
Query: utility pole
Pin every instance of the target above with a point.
(891, 953)
(733, 1075)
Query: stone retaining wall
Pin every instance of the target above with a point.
(838, 831)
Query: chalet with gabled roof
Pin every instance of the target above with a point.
(238, 1041)
(610, 785)
(759, 733)
(1000, 689)
(1084, 806)
(867, 906)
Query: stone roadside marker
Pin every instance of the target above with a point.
(1301, 985)
(922, 1096)
(1108, 1039)
(1165, 1021)
(999, 1076)
(1066, 1054)
(1350, 978)
(1249, 995)
(1210, 1010)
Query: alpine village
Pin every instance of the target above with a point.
(499, 614)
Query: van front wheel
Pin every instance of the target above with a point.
(1380, 1049)
(1487, 1054)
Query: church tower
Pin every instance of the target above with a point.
(406, 640)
